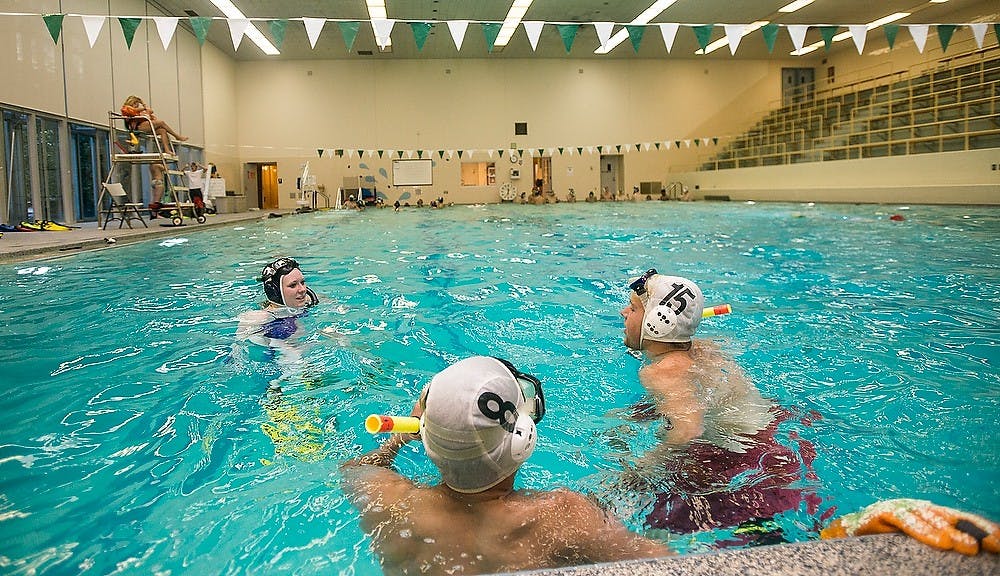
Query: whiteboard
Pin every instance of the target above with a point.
(411, 173)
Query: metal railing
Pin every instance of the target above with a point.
(954, 105)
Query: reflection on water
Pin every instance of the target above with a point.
(137, 438)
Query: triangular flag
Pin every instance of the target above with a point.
(979, 32)
(420, 153)
(490, 31)
(389, 152)
(360, 154)
(489, 153)
(859, 32)
(349, 30)
(457, 29)
(440, 153)
(93, 26)
(677, 143)
(828, 32)
(459, 153)
(339, 152)
(687, 143)
(383, 31)
(797, 32)
(703, 33)
(534, 31)
(278, 28)
(579, 150)
(399, 153)
(705, 141)
(237, 26)
(770, 32)
(669, 32)
(350, 153)
(734, 33)
(944, 35)
(54, 24)
(420, 32)
(715, 140)
(320, 152)
(380, 153)
(646, 146)
(200, 25)
(637, 147)
(166, 26)
(129, 26)
(697, 143)
(890, 33)
(568, 34)
(600, 149)
(635, 35)
(313, 27)
(560, 150)
(603, 30)
(919, 34)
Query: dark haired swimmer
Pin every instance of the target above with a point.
(477, 425)
(288, 297)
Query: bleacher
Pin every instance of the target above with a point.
(952, 105)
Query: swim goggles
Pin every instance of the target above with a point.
(639, 284)
(531, 387)
(278, 268)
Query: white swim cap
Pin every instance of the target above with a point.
(673, 307)
(476, 426)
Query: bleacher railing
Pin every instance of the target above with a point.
(950, 104)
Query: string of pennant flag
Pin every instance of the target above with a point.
(515, 154)
(166, 27)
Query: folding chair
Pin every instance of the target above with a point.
(120, 208)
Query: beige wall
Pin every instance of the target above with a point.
(946, 178)
(473, 104)
(74, 80)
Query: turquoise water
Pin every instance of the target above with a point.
(135, 436)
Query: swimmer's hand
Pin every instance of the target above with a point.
(937, 526)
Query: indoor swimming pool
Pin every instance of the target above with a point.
(139, 437)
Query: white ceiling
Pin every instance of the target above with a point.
(440, 44)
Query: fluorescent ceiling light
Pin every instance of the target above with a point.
(376, 11)
(654, 10)
(788, 8)
(845, 35)
(231, 11)
(724, 41)
(514, 15)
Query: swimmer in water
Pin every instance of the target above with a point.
(288, 297)
(477, 426)
(718, 463)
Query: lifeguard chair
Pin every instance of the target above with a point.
(129, 152)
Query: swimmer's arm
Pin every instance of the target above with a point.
(369, 477)
(676, 400)
(607, 539)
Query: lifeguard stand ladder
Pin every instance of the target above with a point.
(131, 154)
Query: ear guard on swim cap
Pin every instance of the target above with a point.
(522, 442)
(271, 276)
(673, 308)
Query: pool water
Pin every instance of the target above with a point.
(137, 437)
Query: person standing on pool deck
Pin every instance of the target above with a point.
(477, 425)
(719, 463)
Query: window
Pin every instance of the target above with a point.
(49, 174)
(479, 173)
(18, 172)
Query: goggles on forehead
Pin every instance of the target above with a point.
(531, 388)
(278, 268)
(639, 284)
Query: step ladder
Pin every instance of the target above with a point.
(176, 201)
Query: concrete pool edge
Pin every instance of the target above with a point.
(882, 554)
(24, 246)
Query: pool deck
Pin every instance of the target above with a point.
(886, 554)
(23, 246)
